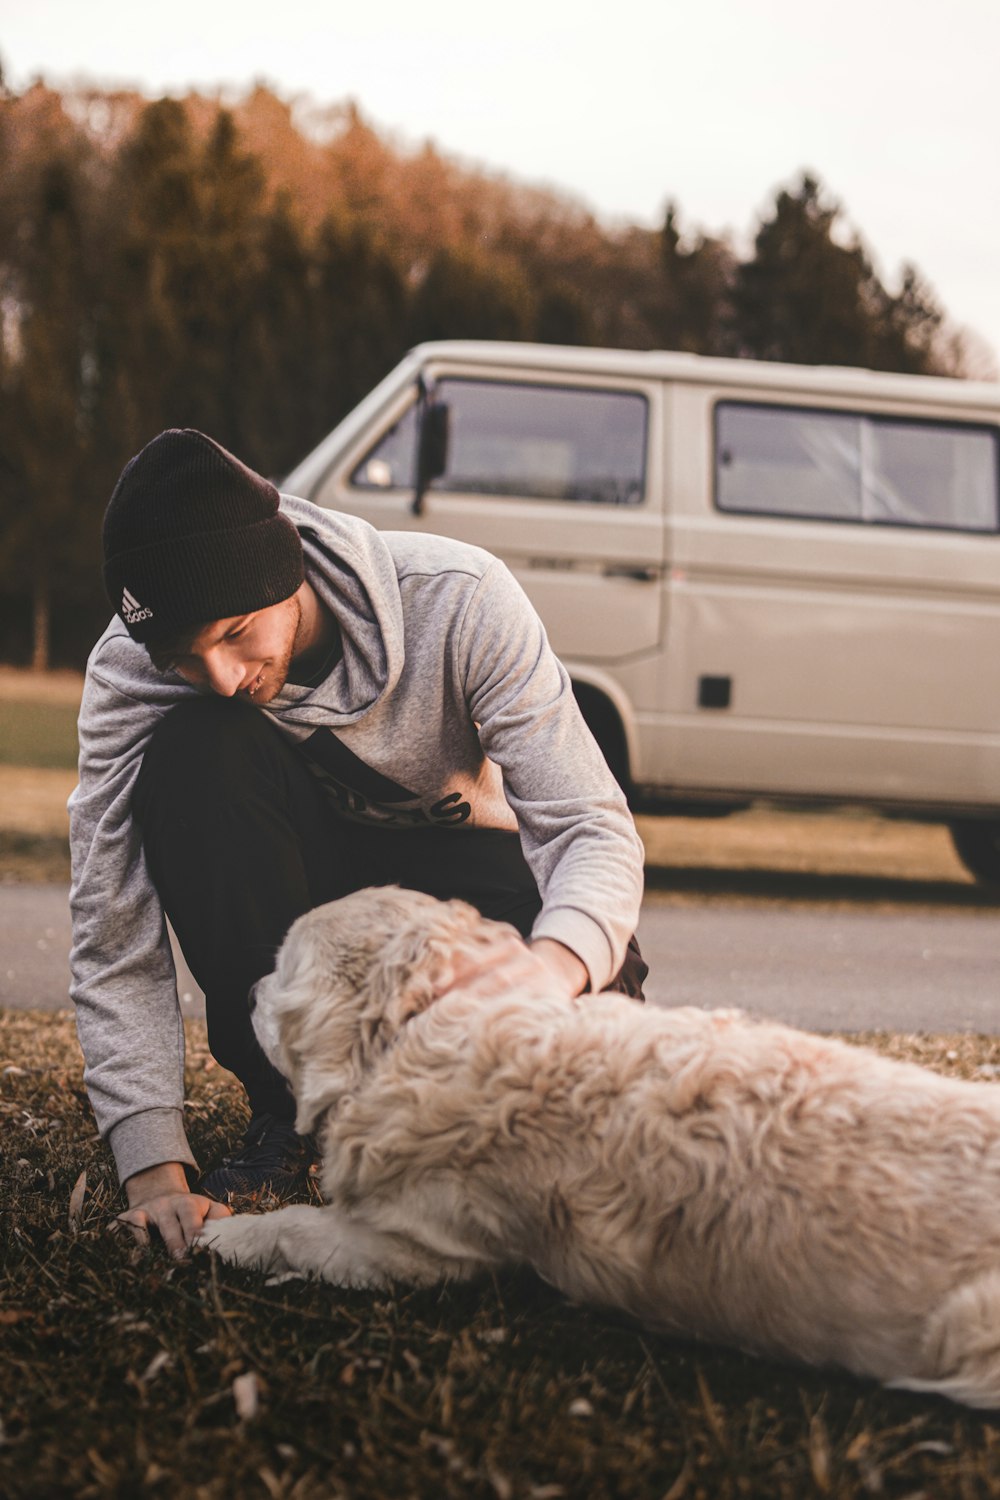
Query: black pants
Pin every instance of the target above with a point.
(240, 839)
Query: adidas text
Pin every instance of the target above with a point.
(132, 610)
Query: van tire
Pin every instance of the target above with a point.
(604, 724)
(978, 847)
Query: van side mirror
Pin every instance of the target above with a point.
(432, 449)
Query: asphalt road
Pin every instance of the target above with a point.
(842, 967)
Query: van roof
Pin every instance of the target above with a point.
(665, 364)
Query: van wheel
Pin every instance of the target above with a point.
(978, 847)
(606, 727)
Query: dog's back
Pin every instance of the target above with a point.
(735, 1180)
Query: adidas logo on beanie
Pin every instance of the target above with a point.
(131, 610)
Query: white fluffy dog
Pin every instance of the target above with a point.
(712, 1176)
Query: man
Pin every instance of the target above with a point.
(290, 706)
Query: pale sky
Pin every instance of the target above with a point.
(623, 105)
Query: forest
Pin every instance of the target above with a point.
(253, 266)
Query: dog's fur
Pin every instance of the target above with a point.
(713, 1176)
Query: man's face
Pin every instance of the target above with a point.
(247, 656)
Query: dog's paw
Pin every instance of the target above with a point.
(235, 1240)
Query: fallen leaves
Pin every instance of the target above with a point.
(246, 1395)
(120, 1376)
(76, 1200)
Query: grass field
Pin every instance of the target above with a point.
(38, 719)
(37, 773)
(37, 734)
(122, 1374)
(38, 750)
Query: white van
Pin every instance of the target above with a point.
(765, 580)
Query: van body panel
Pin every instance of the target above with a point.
(746, 653)
(742, 760)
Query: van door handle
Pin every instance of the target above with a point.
(641, 575)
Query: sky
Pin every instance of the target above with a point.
(713, 104)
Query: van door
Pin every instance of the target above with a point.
(557, 476)
(835, 603)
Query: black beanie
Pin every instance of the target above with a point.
(192, 535)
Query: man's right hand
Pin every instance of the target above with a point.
(159, 1198)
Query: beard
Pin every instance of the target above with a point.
(274, 673)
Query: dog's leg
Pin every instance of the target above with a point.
(961, 1347)
(257, 1239)
(323, 1242)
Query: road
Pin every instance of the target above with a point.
(844, 966)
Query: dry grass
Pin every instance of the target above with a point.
(763, 844)
(35, 710)
(815, 843)
(34, 801)
(122, 1374)
(776, 844)
(18, 685)
(34, 824)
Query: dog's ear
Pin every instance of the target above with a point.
(329, 1054)
(418, 961)
(318, 1006)
(357, 970)
(318, 1092)
(415, 966)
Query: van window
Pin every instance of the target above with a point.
(538, 441)
(842, 466)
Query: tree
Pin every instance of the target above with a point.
(278, 347)
(188, 264)
(360, 314)
(47, 439)
(802, 297)
(697, 284)
(151, 268)
(462, 296)
(908, 328)
(562, 316)
(810, 295)
(47, 371)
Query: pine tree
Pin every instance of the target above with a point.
(278, 348)
(697, 283)
(463, 297)
(802, 297)
(360, 315)
(189, 266)
(908, 327)
(46, 372)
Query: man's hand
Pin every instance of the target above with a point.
(160, 1199)
(508, 961)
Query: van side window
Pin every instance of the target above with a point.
(842, 466)
(542, 442)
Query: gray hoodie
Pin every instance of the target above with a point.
(447, 685)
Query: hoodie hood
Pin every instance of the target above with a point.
(354, 574)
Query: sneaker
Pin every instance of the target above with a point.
(272, 1159)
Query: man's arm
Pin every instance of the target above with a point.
(123, 981)
(576, 830)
